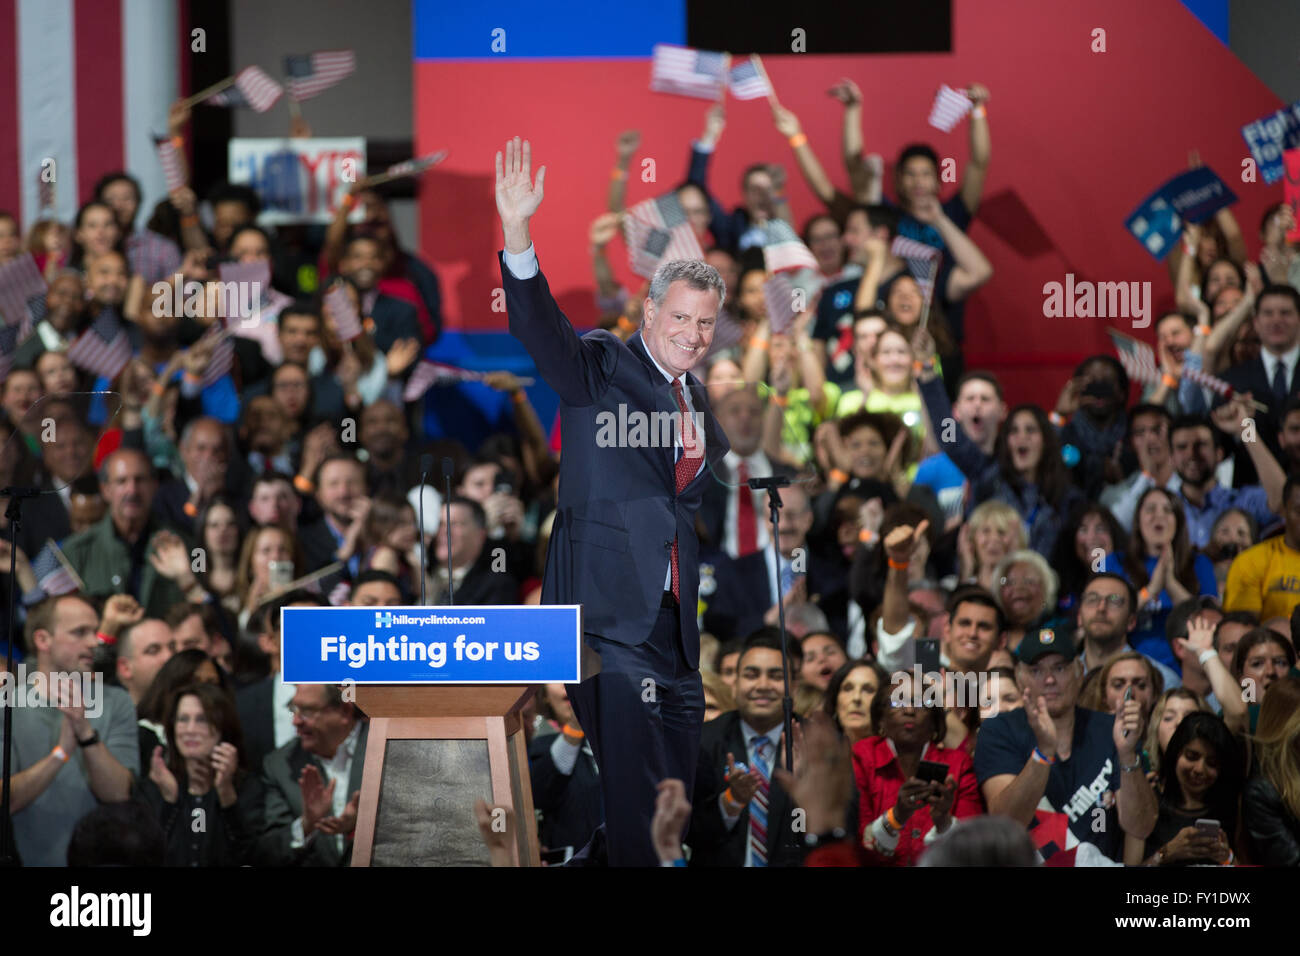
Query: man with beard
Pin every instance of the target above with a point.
(1148, 436)
(1195, 458)
(57, 327)
(393, 319)
(383, 435)
(112, 557)
(1107, 616)
(1051, 763)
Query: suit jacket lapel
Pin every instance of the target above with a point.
(662, 390)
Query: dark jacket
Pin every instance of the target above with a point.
(1273, 831)
(227, 834)
(570, 804)
(103, 560)
(254, 703)
(711, 843)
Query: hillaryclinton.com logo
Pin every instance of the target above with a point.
(383, 619)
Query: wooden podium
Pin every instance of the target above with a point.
(432, 751)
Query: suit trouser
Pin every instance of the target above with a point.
(642, 714)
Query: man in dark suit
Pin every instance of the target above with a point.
(393, 319)
(745, 598)
(1271, 377)
(739, 816)
(623, 543)
(313, 783)
(481, 573)
(566, 783)
(206, 452)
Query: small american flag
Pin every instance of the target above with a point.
(223, 353)
(727, 334)
(687, 72)
(657, 230)
(1212, 382)
(778, 293)
(19, 281)
(8, 345)
(949, 107)
(342, 313)
(783, 249)
(51, 575)
(311, 74)
(413, 167)
(169, 159)
(747, 81)
(1138, 358)
(36, 311)
(922, 261)
(254, 89)
(103, 349)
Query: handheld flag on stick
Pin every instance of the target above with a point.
(783, 249)
(173, 166)
(411, 167)
(687, 72)
(250, 88)
(20, 280)
(747, 81)
(103, 348)
(655, 230)
(312, 74)
(949, 107)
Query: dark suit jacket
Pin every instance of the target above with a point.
(254, 703)
(711, 843)
(570, 804)
(482, 585)
(394, 319)
(744, 594)
(713, 507)
(283, 805)
(619, 510)
(318, 544)
(1251, 377)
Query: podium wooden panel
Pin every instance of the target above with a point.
(431, 751)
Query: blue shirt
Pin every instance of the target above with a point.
(1149, 637)
(1200, 521)
(945, 479)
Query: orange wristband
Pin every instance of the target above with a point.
(178, 142)
(866, 536)
(899, 565)
(1204, 329)
(349, 201)
(1144, 595)
(759, 344)
(780, 401)
(893, 820)
(979, 111)
(1168, 381)
(797, 140)
(571, 731)
(617, 174)
(190, 509)
(304, 484)
(839, 475)
(157, 388)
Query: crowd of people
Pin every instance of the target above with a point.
(1076, 619)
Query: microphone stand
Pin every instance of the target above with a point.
(425, 462)
(447, 468)
(773, 486)
(14, 512)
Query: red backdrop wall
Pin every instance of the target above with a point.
(1079, 139)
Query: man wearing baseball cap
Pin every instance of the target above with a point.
(1071, 775)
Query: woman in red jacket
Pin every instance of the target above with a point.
(900, 814)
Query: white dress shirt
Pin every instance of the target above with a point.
(339, 769)
(281, 695)
(759, 467)
(1288, 360)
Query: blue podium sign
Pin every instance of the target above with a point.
(500, 644)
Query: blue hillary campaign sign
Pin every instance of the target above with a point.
(1269, 136)
(1193, 196)
(431, 645)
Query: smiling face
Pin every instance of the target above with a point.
(1277, 322)
(1157, 520)
(696, 207)
(1221, 276)
(905, 301)
(1093, 535)
(98, 232)
(1176, 708)
(1195, 455)
(1173, 332)
(196, 737)
(995, 538)
(1266, 664)
(970, 634)
(825, 244)
(893, 360)
(1022, 594)
(1025, 443)
(760, 687)
(106, 278)
(750, 299)
(1197, 770)
(57, 374)
(679, 331)
(865, 332)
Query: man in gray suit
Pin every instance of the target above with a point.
(313, 783)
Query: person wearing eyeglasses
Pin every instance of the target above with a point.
(1071, 776)
(313, 783)
(1107, 616)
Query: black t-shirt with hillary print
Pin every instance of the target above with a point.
(1078, 805)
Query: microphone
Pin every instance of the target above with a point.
(426, 463)
(447, 468)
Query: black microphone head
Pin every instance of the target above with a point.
(448, 468)
(426, 464)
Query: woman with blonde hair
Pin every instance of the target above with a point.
(1169, 710)
(993, 530)
(1270, 803)
(1025, 588)
(253, 579)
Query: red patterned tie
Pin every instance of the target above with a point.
(746, 522)
(687, 465)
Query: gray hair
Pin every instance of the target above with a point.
(696, 273)
(1045, 573)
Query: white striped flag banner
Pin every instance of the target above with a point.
(253, 89)
(747, 82)
(657, 230)
(103, 349)
(922, 261)
(949, 107)
(170, 160)
(20, 279)
(687, 72)
(9, 339)
(223, 352)
(413, 167)
(310, 74)
(1212, 382)
(36, 311)
(1138, 358)
(778, 293)
(52, 576)
(783, 249)
(342, 313)
(727, 333)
